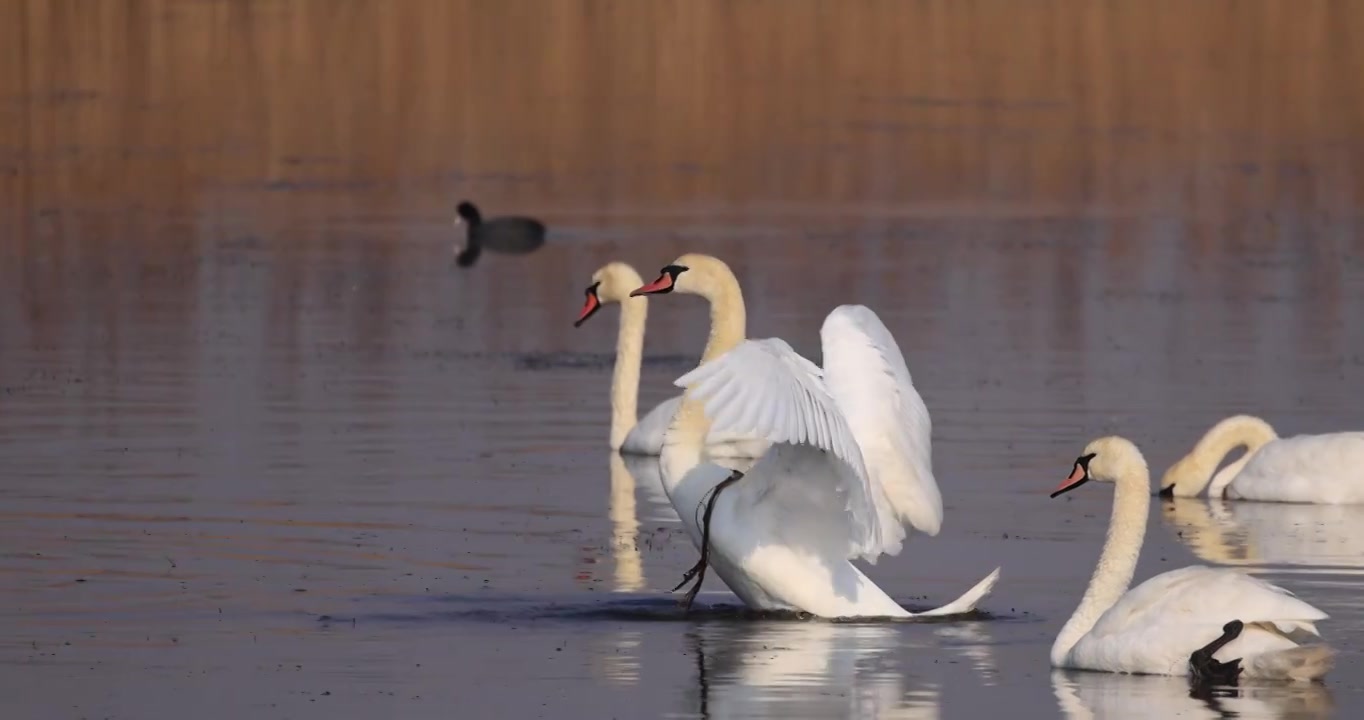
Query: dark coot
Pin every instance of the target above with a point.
(511, 235)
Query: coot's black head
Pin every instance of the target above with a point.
(469, 213)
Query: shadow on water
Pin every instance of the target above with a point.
(493, 608)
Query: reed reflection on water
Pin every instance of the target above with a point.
(244, 399)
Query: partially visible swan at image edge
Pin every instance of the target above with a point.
(612, 283)
(1323, 469)
(850, 463)
(1210, 623)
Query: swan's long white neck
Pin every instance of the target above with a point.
(1245, 431)
(634, 312)
(1118, 562)
(685, 441)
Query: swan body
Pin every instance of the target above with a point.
(1325, 469)
(848, 468)
(612, 283)
(1155, 627)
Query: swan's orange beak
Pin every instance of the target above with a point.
(664, 283)
(1078, 476)
(590, 306)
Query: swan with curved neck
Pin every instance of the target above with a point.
(849, 461)
(1209, 622)
(1323, 469)
(1193, 472)
(613, 283)
(684, 442)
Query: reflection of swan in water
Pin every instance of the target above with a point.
(1243, 533)
(629, 575)
(972, 640)
(805, 669)
(1095, 695)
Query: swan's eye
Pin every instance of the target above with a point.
(1083, 461)
(673, 271)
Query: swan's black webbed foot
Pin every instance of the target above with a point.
(698, 570)
(1204, 669)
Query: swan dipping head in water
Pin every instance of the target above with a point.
(1193, 472)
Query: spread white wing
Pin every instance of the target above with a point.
(857, 430)
(867, 376)
(814, 471)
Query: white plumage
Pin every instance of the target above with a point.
(848, 465)
(646, 438)
(1155, 627)
(1325, 469)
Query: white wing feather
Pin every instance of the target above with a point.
(764, 388)
(866, 374)
(1207, 595)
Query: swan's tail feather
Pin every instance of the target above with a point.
(1304, 663)
(967, 602)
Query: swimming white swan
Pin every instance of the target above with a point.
(1211, 623)
(850, 461)
(1323, 469)
(612, 283)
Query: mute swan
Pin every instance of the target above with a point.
(515, 235)
(1210, 623)
(850, 460)
(612, 283)
(1323, 469)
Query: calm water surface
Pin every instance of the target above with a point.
(323, 482)
(265, 453)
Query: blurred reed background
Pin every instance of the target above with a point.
(147, 146)
(734, 106)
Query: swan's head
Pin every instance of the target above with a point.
(691, 274)
(1188, 476)
(610, 283)
(1105, 460)
(1185, 478)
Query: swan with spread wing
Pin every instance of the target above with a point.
(848, 472)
